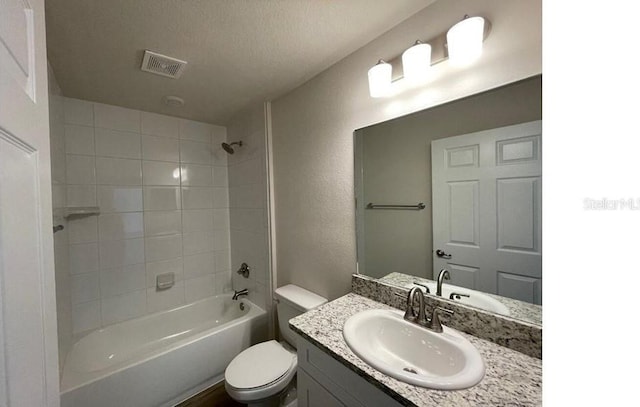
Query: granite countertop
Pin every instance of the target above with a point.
(524, 311)
(511, 378)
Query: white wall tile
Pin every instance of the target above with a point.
(163, 248)
(218, 134)
(122, 280)
(222, 260)
(195, 153)
(108, 254)
(83, 258)
(223, 282)
(119, 199)
(118, 226)
(199, 288)
(219, 157)
(160, 223)
(119, 253)
(249, 220)
(79, 139)
(85, 316)
(221, 240)
(123, 307)
(117, 118)
(197, 242)
(161, 267)
(116, 171)
(81, 195)
(259, 294)
(83, 230)
(81, 169)
(220, 198)
(220, 177)
(197, 198)
(196, 175)
(248, 196)
(78, 112)
(59, 195)
(252, 244)
(221, 219)
(160, 149)
(85, 287)
(160, 173)
(161, 198)
(160, 125)
(247, 172)
(165, 299)
(198, 265)
(196, 131)
(197, 220)
(118, 144)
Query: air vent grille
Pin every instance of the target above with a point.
(162, 65)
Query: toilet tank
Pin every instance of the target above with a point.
(293, 301)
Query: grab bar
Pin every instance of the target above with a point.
(420, 206)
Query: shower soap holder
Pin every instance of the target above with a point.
(165, 281)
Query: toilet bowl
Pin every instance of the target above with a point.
(263, 374)
(260, 372)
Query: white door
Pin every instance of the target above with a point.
(28, 338)
(487, 215)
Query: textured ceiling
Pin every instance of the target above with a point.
(238, 51)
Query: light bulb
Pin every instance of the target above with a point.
(380, 80)
(464, 41)
(416, 62)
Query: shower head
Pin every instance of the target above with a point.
(228, 147)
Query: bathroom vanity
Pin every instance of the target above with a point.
(330, 374)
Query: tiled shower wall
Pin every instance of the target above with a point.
(248, 203)
(59, 198)
(161, 185)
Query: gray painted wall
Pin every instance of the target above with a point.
(313, 131)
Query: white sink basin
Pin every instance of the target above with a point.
(411, 353)
(474, 299)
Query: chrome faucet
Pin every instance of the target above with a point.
(237, 294)
(444, 275)
(432, 323)
(409, 313)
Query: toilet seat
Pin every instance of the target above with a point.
(260, 371)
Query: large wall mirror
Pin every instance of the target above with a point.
(457, 187)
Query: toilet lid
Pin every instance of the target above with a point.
(259, 365)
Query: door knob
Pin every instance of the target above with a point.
(441, 253)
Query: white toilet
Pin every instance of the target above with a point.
(263, 374)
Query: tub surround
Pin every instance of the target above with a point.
(505, 331)
(524, 311)
(511, 377)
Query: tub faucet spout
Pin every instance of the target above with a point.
(237, 294)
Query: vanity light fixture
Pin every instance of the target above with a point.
(416, 62)
(461, 44)
(380, 79)
(464, 41)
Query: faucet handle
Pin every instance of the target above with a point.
(423, 286)
(409, 315)
(434, 323)
(457, 296)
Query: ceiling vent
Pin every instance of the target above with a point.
(162, 65)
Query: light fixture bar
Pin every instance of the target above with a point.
(438, 52)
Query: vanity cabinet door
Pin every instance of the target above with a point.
(332, 378)
(312, 394)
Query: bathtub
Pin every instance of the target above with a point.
(160, 359)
